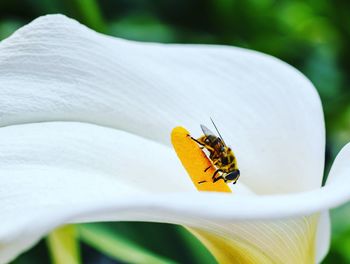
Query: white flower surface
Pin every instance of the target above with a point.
(85, 136)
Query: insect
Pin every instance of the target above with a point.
(220, 154)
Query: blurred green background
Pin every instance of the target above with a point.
(313, 36)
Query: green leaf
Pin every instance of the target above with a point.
(37, 254)
(199, 253)
(117, 247)
(63, 245)
(142, 27)
(89, 11)
(7, 27)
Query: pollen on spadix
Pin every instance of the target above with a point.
(196, 162)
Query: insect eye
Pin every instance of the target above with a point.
(207, 140)
(233, 175)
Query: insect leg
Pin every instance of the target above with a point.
(202, 145)
(218, 178)
(214, 163)
(196, 141)
(216, 172)
(207, 168)
(236, 180)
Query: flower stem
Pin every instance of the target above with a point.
(64, 245)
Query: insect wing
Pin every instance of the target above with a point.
(206, 131)
(218, 132)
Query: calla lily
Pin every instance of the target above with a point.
(85, 136)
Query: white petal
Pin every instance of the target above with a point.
(61, 164)
(340, 171)
(56, 69)
(48, 155)
(272, 241)
(52, 174)
(323, 236)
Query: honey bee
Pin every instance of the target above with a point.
(220, 154)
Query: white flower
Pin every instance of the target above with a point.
(85, 136)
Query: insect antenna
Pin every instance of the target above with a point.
(218, 131)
